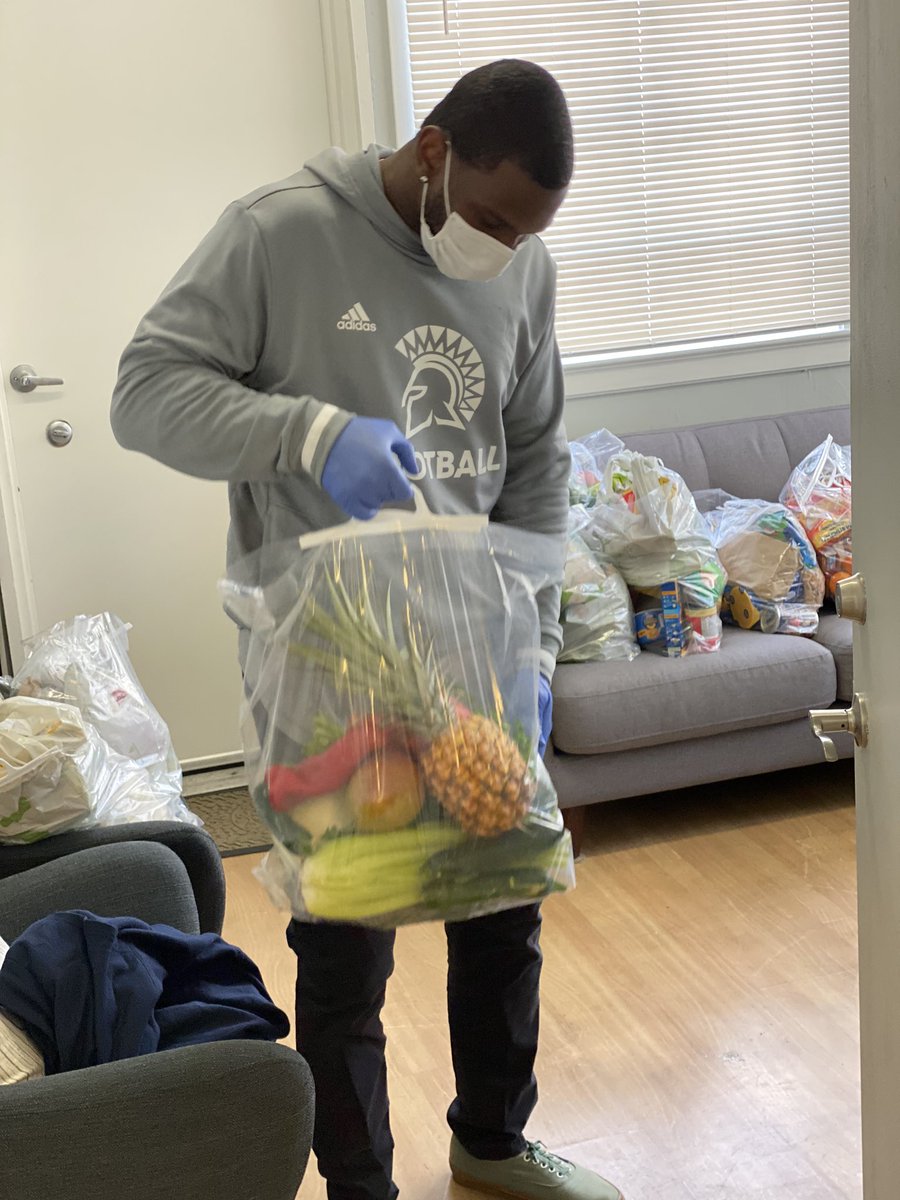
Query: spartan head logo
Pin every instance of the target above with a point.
(447, 381)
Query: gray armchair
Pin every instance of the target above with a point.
(230, 1120)
(194, 847)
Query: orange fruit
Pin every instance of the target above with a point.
(386, 792)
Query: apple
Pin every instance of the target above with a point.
(330, 812)
(386, 792)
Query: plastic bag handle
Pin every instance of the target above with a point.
(396, 520)
(816, 475)
(421, 508)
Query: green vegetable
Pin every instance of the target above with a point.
(369, 875)
(522, 864)
(466, 891)
(326, 731)
(520, 847)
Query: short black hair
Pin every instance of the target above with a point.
(510, 109)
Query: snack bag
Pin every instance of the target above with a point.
(390, 719)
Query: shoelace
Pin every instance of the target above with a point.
(538, 1153)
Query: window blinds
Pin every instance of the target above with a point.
(711, 190)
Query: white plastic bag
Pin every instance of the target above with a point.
(42, 790)
(127, 761)
(596, 613)
(645, 521)
(648, 523)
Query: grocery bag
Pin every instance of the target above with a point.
(819, 491)
(596, 612)
(390, 719)
(127, 761)
(645, 521)
(42, 790)
(774, 581)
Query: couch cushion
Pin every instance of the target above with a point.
(751, 457)
(755, 679)
(836, 634)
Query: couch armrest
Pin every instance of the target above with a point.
(229, 1120)
(131, 879)
(194, 847)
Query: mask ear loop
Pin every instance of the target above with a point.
(447, 181)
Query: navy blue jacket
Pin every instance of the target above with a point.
(94, 989)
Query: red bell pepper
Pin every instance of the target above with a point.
(333, 768)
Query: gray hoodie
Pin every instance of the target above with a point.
(311, 301)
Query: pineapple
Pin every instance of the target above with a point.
(470, 764)
(479, 776)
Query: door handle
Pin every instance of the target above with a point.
(25, 379)
(853, 720)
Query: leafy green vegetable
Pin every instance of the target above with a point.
(326, 732)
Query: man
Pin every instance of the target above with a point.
(375, 317)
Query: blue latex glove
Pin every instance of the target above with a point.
(366, 466)
(545, 712)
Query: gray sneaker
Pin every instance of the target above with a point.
(534, 1175)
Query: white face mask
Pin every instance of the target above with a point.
(459, 250)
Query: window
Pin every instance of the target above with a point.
(711, 196)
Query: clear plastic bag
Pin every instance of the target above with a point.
(596, 613)
(649, 524)
(646, 522)
(128, 761)
(774, 581)
(589, 458)
(819, 491)
(390, 719)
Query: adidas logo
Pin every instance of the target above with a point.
(357, 318)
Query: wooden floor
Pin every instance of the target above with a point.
(699, 1022)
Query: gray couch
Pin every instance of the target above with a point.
(654, 724)
(228, 1120)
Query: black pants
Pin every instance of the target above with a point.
(494, 967)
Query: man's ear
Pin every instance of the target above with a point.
(431, 151)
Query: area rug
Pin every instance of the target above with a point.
(231, 821)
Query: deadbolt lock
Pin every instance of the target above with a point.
(850, 598)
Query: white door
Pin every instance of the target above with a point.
(125, 128)
(875, 390)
